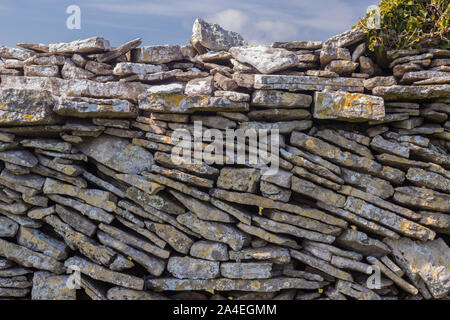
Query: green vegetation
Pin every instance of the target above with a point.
(410, 24)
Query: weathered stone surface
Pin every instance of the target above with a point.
(47, 286)
(330, 53)
(398, 93)
(153, 265)
(26, 107)
(368, 183)
(439, 222)
(102, 274)
(8, 228)
(95, 197)
(342, 67)
(309, 189)
(223, 284)
(255, 200)
(278, 227)
(41, 71)
(119, 293)
(200, 87)
(214, 37)
(209, 250)
(88, 108)
(321, 265)
(175, 238)
(423, 198)
(246, 270)
(29, 258)
(157, 54)
(190, 268)
(38, 241)
(265, 59)
(274, 254)
(301, 83)
(117, 154)
(76, 88)
(428, 179)
(214, 231)
(389, 219)
(202, 210)
(245, 180)
(94, 44)
(135, 242)
(343, 105)
(280, 99)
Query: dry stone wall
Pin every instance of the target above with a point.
(89, 185)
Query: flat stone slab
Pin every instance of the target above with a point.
(264, 58)
(25, 106)
(224, 284)
(401, 93)
(29, 258)
(157, 54)
(94, 44)
(76, 88)
(348, 106)
(192, 268)
(214, 37)
(307, 83)
(47, 286)
(90, 108)
(117, 154)
(102, 274)
(429, 260)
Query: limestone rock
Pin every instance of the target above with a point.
(102, 274)
(157, 54)
(209, 250)
(214, 37)
(265, 59)
(94, 44)
(26, 107)
(29, 258)
(89, 108)
(117, 154)
(47, 286)
(191, 268)
(246, 270)
(429, 260)
(341, 105)
(245, 180)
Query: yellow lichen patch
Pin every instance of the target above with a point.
(260, 210)
(170, 100)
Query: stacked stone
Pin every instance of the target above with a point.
(89, 184)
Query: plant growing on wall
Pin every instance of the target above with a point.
(409, 24)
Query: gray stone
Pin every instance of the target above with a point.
(47, 286)
(117, 154)
(246, 270)
(343, 105)
(190, 268)
(209, 250)
(265, 59)
(214, 37)
(24, 106)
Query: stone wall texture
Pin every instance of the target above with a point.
(94, 204)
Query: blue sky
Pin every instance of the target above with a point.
(170, 21)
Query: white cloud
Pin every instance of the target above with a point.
(230, 19)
